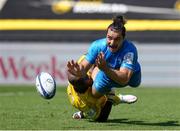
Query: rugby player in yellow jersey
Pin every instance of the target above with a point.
(80, 96)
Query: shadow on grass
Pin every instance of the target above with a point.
(127, 121)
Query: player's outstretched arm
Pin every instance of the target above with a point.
(77, 76)
(78, 69)
(121, 76)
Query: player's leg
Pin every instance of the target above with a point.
(113, 100)
(105, 111)
(121, 98)
(103, 86)
(100, 85)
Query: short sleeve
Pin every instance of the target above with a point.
(93, 52)
(129, 60)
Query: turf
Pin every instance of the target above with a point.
(21, 108)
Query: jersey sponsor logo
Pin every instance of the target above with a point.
(128, 58)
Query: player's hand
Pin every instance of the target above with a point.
(75, 69)
(101, 62)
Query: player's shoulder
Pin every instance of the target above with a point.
(129, 45)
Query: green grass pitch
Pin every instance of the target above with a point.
(22, 108)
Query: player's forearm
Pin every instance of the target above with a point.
(84, 67)
(119, 77)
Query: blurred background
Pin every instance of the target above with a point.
(42, 35)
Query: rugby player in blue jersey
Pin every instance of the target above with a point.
(116, 63)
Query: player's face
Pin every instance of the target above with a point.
(114, 39)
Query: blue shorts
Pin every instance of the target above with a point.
(103, 83)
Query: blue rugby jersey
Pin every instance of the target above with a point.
(126, 56)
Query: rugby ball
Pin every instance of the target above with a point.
(45, 85)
